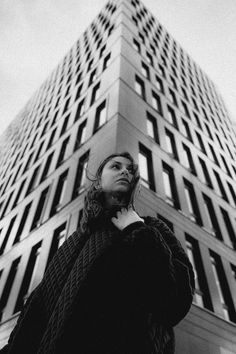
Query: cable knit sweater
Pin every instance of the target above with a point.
(111, 292)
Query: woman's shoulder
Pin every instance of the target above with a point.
(156, 222)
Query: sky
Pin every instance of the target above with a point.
(36, 34)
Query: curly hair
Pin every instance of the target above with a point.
(94, 202)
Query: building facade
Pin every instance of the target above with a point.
(126, 84)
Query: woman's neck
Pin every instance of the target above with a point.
(114, 200)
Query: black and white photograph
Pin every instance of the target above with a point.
(117, 177)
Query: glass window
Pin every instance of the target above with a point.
(228, 311)
(170, 186)
(136, 46)
(186, 130)
(211, 216)
(60, 193)
(30, 273)
(38, 216)
(229, 227)
(79, 185)
(5, 209)
(139, 87)
(232, 191)
(152, 127)
(78, 93)
(8, 286)
(159, 84)
(185, 109)
(202, 295)
(46, 169)
(205, 173)
(200, 143)
(149, 58)
(22, 223)
(171, 117)
(172, 97)
(146, 167)
(39, 152)
(156, 102)
(225, 166)
(161, 70)
(192, 202)
(187, 159)
(7, 235)
(19, 193)
(213, 154)
(170, 144)
(145, 71)
(80, 109)
(52, 137)
(27, 165)
(107, 61)
(143, 165)
(81, 134)
(62, 155)
(65, 125)
(33, 180)
(95, 93)
(93, 76)
(196, 120)
(100, 116)
(221, 188)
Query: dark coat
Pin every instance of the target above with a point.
(113, 292)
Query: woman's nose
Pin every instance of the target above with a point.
(125, 172)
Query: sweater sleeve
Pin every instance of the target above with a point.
(159, 270)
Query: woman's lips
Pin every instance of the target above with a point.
(123, 180)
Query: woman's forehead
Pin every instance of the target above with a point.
(120, 159)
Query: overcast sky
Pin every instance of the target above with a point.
(36, 34)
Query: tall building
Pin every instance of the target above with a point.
(126, 84)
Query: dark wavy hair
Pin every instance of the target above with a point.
(94, 202)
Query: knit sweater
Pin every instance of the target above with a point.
(110, 292)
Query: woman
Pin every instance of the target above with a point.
(118, 285)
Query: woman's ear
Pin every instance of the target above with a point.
(97, 184)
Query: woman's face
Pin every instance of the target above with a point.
(117, 175)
